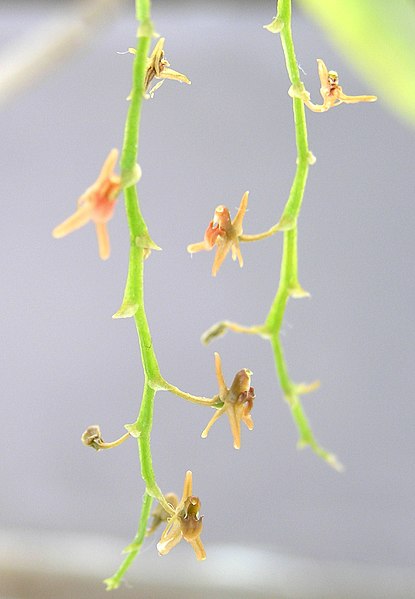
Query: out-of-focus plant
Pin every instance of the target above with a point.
(182, 518)
(378, 40)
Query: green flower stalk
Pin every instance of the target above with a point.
(289, 285)
(144, 70)
(133, 301)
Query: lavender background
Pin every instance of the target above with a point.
(66, 364)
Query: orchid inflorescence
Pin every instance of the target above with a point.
(182, 517)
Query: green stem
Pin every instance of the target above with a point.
(293, 205)
(132, 124)
(288, 277)
(134, 548)
(148, 356)
(289, 284)
(292, 397)
(142, 428)
(142, 10)
(133, 302)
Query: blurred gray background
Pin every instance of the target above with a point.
(66, 364)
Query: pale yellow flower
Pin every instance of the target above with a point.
(330, 90)
(159, 68)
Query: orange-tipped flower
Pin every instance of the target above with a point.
(224, 233)
(96, 204)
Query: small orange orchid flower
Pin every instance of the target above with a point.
(184, 524)
(223, 233)
(96, 204)
(237, 400)
(331, 91)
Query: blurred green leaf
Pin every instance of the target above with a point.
(378, 38)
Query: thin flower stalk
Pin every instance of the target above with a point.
(92, 438)
(97, 204)
(196, 399)
(134, 548)
(289, 285)
(133, 302)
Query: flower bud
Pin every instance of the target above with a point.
(92, 437)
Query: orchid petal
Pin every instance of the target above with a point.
(77, 220)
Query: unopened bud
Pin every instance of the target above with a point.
(217, 330)
(92, 437)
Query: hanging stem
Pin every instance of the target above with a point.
(134, 548)
(289, 284)
(133, 302)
